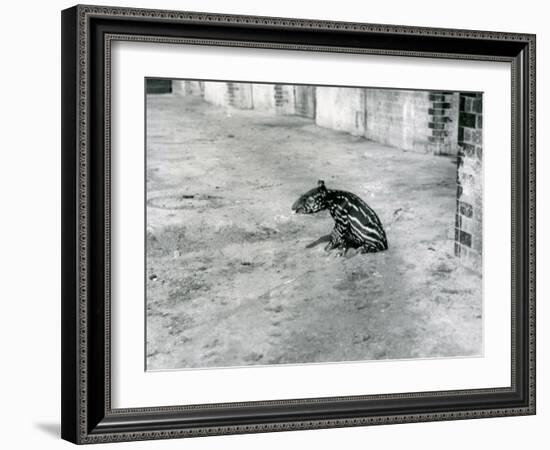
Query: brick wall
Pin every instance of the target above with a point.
(443, 123)
(275, 98)
(469, 204)
(239, 95)
(284, 99)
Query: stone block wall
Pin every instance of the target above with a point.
(398, 118)
(263, 97)
(413, 120)
(233, 95)
(420, 121)
(469, 204)
(305, 101)
(341, 109)
(215, 93)
(188, 87)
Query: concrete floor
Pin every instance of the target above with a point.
(229, 280)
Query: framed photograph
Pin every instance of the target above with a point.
(277, 224)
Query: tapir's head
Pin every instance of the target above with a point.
(312, 201)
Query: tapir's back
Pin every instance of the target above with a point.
(361, 226)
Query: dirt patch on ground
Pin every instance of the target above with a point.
(230, 281)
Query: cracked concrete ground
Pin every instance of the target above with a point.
(229, 280)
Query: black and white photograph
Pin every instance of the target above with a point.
(275, 225)
(296, 224)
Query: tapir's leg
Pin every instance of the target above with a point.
(370, 248)
(322, 239)
(336, 239)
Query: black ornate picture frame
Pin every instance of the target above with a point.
(87, 35)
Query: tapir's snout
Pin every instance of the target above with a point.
(312, 201)
(298, 206)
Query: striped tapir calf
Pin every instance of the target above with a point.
(356, 225)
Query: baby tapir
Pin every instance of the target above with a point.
(356, 225)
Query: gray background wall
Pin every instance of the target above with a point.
(418, 121)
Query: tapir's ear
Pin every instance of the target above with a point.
(321, 183)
